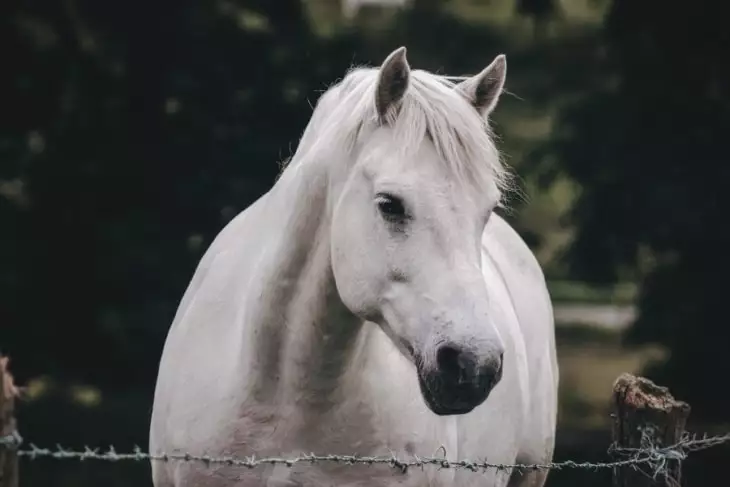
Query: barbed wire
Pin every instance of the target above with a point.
(655, 458)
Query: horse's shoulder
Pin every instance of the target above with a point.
(524, 278)
(507, 248)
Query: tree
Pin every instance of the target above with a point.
(649, 148)
(135, 131)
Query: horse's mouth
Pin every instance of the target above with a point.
(447, 403)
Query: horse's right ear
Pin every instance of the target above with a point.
(393, 80)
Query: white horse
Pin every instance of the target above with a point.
(370, 303)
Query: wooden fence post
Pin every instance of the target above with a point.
(8, 457)
(644, 411)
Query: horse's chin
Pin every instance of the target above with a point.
(439, 405)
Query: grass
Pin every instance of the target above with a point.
(579, 292)
(590, 360)
(578, 335)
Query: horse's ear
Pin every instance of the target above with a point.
(484, 89)
(393, 81)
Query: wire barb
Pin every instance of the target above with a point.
(13, 441)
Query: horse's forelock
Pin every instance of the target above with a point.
(431, 109)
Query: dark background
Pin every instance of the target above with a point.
(132, 132)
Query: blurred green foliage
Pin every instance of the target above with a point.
(132, 132)
(647, 146)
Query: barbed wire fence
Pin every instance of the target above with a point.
(645, 418)
(650, 455)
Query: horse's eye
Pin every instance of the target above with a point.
(391, 207)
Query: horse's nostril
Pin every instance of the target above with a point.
(447, 358)
(454, 363)
(459, 366)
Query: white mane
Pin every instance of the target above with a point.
(432, 109)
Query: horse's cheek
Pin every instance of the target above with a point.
(356, 279)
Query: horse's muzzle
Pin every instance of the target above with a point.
(461, 380)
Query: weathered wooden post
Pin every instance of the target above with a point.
(646, 414)
(8, 456)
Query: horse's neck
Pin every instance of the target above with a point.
(306, 336)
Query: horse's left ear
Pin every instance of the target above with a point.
(484, 89)
(393, 80)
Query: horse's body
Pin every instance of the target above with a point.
(288, 341)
